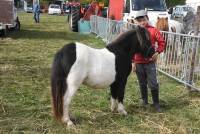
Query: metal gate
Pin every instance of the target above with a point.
(180, 60)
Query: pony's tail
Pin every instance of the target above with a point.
(58, 85)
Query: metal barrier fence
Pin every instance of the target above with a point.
(180, 60)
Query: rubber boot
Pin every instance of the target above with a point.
(144, 95)
(155, 98)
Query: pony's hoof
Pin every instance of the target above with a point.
(113, 109)
(70, 124)
(113, 106)
(122, 112)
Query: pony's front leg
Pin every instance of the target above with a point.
(113, 98)
(120, 97)
(121, 109)
(113, 103)
(71, 90)
(117, 92)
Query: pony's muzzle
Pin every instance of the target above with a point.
(149, 52)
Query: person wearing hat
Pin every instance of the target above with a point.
(145, 68)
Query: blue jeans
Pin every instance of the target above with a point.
(36, 17)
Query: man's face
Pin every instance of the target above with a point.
(142, 21)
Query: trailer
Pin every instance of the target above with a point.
(8, 17)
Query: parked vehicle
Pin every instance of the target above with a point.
(54, 9)
(60, 3)
(29, 8)
(8, 17)
(126, 9)
(180, 11)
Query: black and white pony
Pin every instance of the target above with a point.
(77, 63)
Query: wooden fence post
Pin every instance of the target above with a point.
(196, 28)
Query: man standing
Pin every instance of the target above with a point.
(146, 68)
(36, 11)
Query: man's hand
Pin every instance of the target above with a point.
(155, 56)
(133, 67)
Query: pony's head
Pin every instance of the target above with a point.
(133, 41)
(162, 24)
(144, 41)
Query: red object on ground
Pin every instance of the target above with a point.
(115, 10)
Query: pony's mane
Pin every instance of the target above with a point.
(123, 36)
(162, 24)
(134, 40)
(140, 32)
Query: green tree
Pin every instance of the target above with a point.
(89, 1)
(46, 1)
(171, 3)
(82, 1)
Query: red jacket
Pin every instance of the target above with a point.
(155, 37)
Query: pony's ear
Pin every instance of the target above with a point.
(158, 18)
(166, 18)
(173, 29)
(132, 21)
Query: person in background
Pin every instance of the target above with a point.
(36, 12)
(146, 68)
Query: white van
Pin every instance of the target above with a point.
(155, 9)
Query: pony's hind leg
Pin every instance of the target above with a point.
(71, 90)
(74, 80)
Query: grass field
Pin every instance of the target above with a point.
(25, 100)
